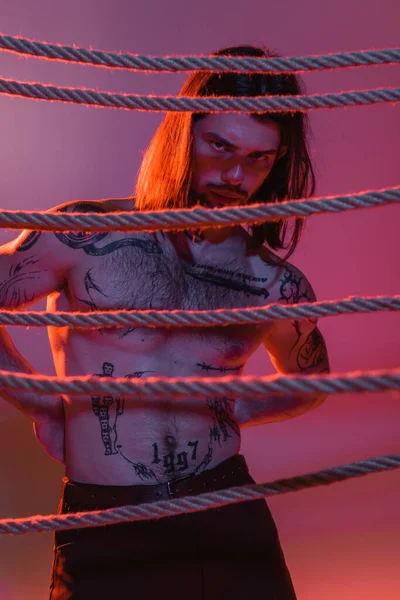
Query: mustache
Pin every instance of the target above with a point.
(228, 192)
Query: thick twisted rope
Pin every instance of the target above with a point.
(199, 387)
(168, 220)
(201, 318)
(257, 104)
(217, 64)
(202, 502)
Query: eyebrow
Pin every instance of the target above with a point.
(228, 143)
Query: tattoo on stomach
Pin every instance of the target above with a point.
(175, 461)
(224, 425)
(108, 409)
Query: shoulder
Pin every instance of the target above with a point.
(98, 206)
(288, 284)
(77, 240)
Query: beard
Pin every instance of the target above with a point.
(203, 199)
(196, 199)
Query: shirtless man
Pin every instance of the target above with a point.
(124, 450)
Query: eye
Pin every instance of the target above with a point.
(218, 146)
(262, 157)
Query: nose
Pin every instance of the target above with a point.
(234, 175)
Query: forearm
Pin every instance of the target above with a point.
(34, 405)
(249, 412)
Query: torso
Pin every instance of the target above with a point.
(126, 441)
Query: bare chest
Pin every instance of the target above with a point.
(141, 274)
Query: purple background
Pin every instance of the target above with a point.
(341, 541)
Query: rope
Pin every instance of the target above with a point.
(202, 502)
(199, 387)
(200, 318)
(168, 220)
(257, 104)
(218, 64)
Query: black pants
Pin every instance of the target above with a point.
(229, 553)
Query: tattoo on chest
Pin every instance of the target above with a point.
(89, 286)
(207, 368)
(230, 281)
(86, 242)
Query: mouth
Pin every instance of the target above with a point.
(223, 199)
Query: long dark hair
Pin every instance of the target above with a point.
(164, 177)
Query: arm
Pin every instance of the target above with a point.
(31, 267)
(46, 412)
(37, 407)
(293, 347)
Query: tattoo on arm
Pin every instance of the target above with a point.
(296, 325)
(293, 288)
(13, 291)
(312, 352)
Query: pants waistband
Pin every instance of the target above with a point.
(82, 496)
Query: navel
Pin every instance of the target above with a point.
(171, 443)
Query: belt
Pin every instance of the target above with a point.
(82, 496)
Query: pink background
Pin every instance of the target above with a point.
(341, 541)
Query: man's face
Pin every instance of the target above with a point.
(233, 155)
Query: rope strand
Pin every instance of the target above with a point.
(218, 64)
(168, 220)
(202, 502)
(200, 387)
(200, 318)
(257, 104)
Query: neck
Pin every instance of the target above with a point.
(220, 235)
(227, 236)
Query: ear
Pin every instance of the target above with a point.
(281, 152)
